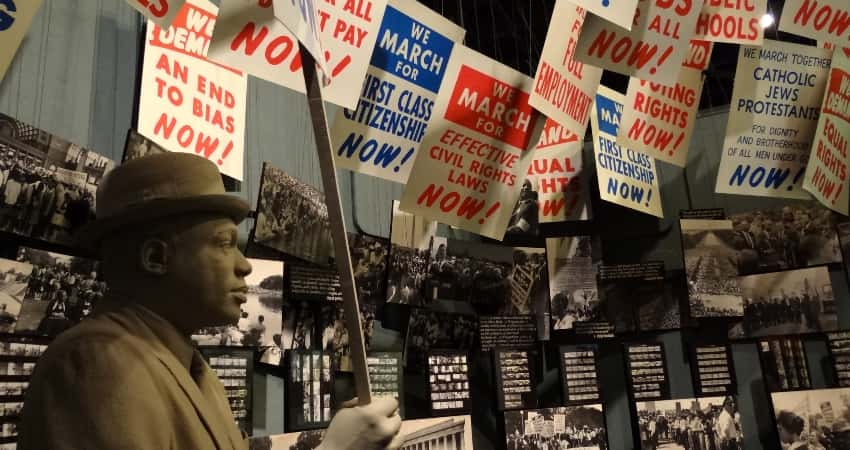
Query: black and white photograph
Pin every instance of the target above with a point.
(385, 376)
(138, 146)
(410, 250)
(260, 324)
(785, 238)
(813, 419)
(309, 283)
(309, 389)
(335, 333)
(47, 184)
(566, 427)
(436, 330)
(839, 352)
(292, 218)
(790, 302)
(14, 281)
(369, 264)
(635, 298)
(62, 291)
(844, 240)
(579, 374)
(234, 367)
(572, 282)
(506, 331)
(448, 382)
(300, 440)
(711, 267)
(525, 217)
(516, 378)
(300, 322)
(713, 369)
(647, 366)
(706, 423)
(784, 364)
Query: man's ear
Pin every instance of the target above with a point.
(153, 256)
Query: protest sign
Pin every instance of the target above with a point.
(381, 137)
(659, 120)
(477, 148)
(626, 177)
(826, 174)
(15, 19)
(189, 104)
(618, 12)
(563, 87)
(772, 119)
(831, 46)
(737, 21)
(653, 49)
(160, 12)
(825, 20)
(302, 20)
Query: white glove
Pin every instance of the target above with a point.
(371, 427)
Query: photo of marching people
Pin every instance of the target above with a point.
(47, 184)
(335, 334)
(493, 279)
(62, 291)
(572, 281)
(432, 330)
(138, 146)
(711, 266)
(14, 279)
(813, 420)
(292, 218)
(790, 302)
(410, 249)
(785, 238)
(369, 264)
(567, 427)
(709, 423)
(260, 324)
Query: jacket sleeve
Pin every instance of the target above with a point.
(98, 396)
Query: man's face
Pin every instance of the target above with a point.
(209, 269)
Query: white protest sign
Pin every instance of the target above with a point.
(618, 12)
(659, 120)
(302, 19)
(655, 47)
(381, 137)
(15, 18)
(189, 104)
(823, 20)
(772, 119)
(160, 12)
(626, 177)
(826, 174)
(733, 21)
(563, 87)
(478, 147)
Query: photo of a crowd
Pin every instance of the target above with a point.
(572, 281)
(14, 279)
(432, 330)
(790, 302)
(62, 290)
(634, 298)
(138, 146)
(47, 184)
(708, 423)
(292, 218)
(335, 333)
(410, 248)
(814, 419)
(785, 238)
(369, 265)
(572, 427)
(711, 267)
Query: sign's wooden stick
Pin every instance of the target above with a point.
(350, 304)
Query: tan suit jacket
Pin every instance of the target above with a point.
(120, 381)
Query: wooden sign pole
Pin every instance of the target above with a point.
(351, 307)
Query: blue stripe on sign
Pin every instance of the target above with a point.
(608, 114)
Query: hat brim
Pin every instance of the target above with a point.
(91, 234)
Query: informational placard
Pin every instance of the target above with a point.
(626, 177)
(822, 20)
(618, 12)
(506, 331)
(783, 363)
(654, 48)
(448, 380)
(634, 298)
(516, 378)
(302, 19)
(160, 12)
(839, 351)
(15, 19)
(563, 87)
(187, 103)
(647, 371)
(311, 284)
(773, 117)
(713, 369)
(658, 119)
(579, 374)
(477, 149)
(826, 174)
(737, 22)
(381, 136)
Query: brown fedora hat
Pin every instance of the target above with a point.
(158, 186)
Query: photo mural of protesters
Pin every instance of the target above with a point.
(711, 266)
(335, 334)
(138, 146)
(369, 264)
(572, 281)
(410, 247)
(292, 218)
(573, 427)
(14, 279)
(815, 419)
(47, 184)
(708, 423)
(62, 291)
(789, 302)
(785, 238)
(433, 330)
